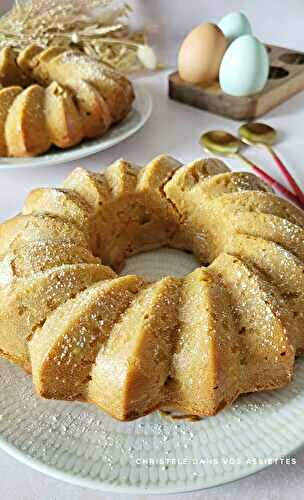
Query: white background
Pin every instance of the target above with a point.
(175, 129)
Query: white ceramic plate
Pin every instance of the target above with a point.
(77, 443)
(139, 114)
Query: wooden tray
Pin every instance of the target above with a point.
(286, 78)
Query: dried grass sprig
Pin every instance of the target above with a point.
(99, 28)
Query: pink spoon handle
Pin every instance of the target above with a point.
(293, 184)
(272, 182)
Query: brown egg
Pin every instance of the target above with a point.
(201, 54)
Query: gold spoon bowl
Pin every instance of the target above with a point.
(258, 134)
(220, 142)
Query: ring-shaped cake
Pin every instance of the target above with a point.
(232, 326)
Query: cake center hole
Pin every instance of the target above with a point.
(157, 264)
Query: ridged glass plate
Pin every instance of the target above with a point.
(77, 443)
(139, 114)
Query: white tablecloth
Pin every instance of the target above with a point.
(175, 129)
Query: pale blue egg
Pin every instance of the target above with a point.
(245, 67)
(234, 25)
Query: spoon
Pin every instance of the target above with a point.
(225, 144)
(261, 134)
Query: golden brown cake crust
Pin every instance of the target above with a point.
(232, 326)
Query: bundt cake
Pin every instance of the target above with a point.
(56, 96)
(194, 344)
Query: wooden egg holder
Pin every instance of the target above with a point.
(286, 78)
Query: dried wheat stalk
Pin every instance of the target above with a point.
(96, 27)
